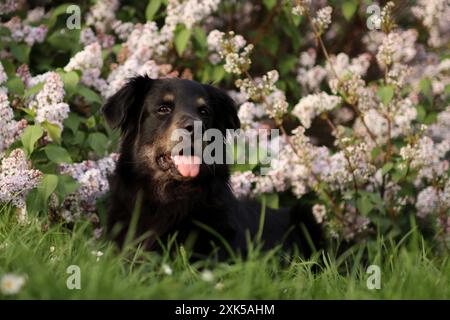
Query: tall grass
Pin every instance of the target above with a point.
(409, 270)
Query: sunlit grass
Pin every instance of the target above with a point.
(408, 271)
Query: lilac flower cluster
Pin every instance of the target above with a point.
(48, 102)
(17, 178)
(10, 129)
(90, 62)
(21, 32)
(92, 177)
(435, 15)
(377, 122)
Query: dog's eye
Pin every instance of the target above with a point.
(203, 111)
(164, 109)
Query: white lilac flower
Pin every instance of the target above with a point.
(427, 201)
(300, 7)
(119, 76)
(10, 130)
(89, 62)
(102, 14)
(353, 162)
(17, 178)
(190, 12)
(397, 47)
(8, 6)
(319, 212)
(433, 201)
(310, 79)
(259, 88)
(397, 75)
(3, 76)
(313, 105)
(146, 42)
(353, 224)
(232, 49)
(276, 104)
(437, 73)
(427, 157)
(21, 32)
(48, 102)
(435, 15)
(249, 113)
(308, 75)
(122, 29)
(93, 179)
(403, 113)
(440, 130)
(323, 19)
(343, 66)
(11, 284)
(308, 58)
(241, 183)
(35, 15)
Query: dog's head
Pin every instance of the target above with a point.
(155, 115)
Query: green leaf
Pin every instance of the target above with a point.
(37, 198)
(15, 86)
(47, 186)
(34, 89)
(200, 36)
(70, 80)
(421, 113)
(385, 93)
(53, 131)
(57, 154)
(89, 94)
(9, 67)
(349, 9)
(72, 122)
(287, 64)
(182, 36)
(66, 185)
(271, 200)
(218, 72)
(364, 205)
(91, 122)
(98, 142)
(152, 8)
(425, 87)
(269, 4)
(386, 168)
(65, 40)
(21, 52)
(61, 9)
(30, 136)
(430, 118)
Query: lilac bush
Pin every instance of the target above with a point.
(363, 110)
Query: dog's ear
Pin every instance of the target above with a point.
(126, 102)
(226, 116)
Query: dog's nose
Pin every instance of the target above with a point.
(188, 124)
(189, 127)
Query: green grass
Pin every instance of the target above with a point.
(408, 270)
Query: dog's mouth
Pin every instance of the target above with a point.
(180, 165)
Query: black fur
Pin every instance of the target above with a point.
(172, 204)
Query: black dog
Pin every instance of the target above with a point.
(193, 201)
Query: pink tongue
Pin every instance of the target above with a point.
(187, 166)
